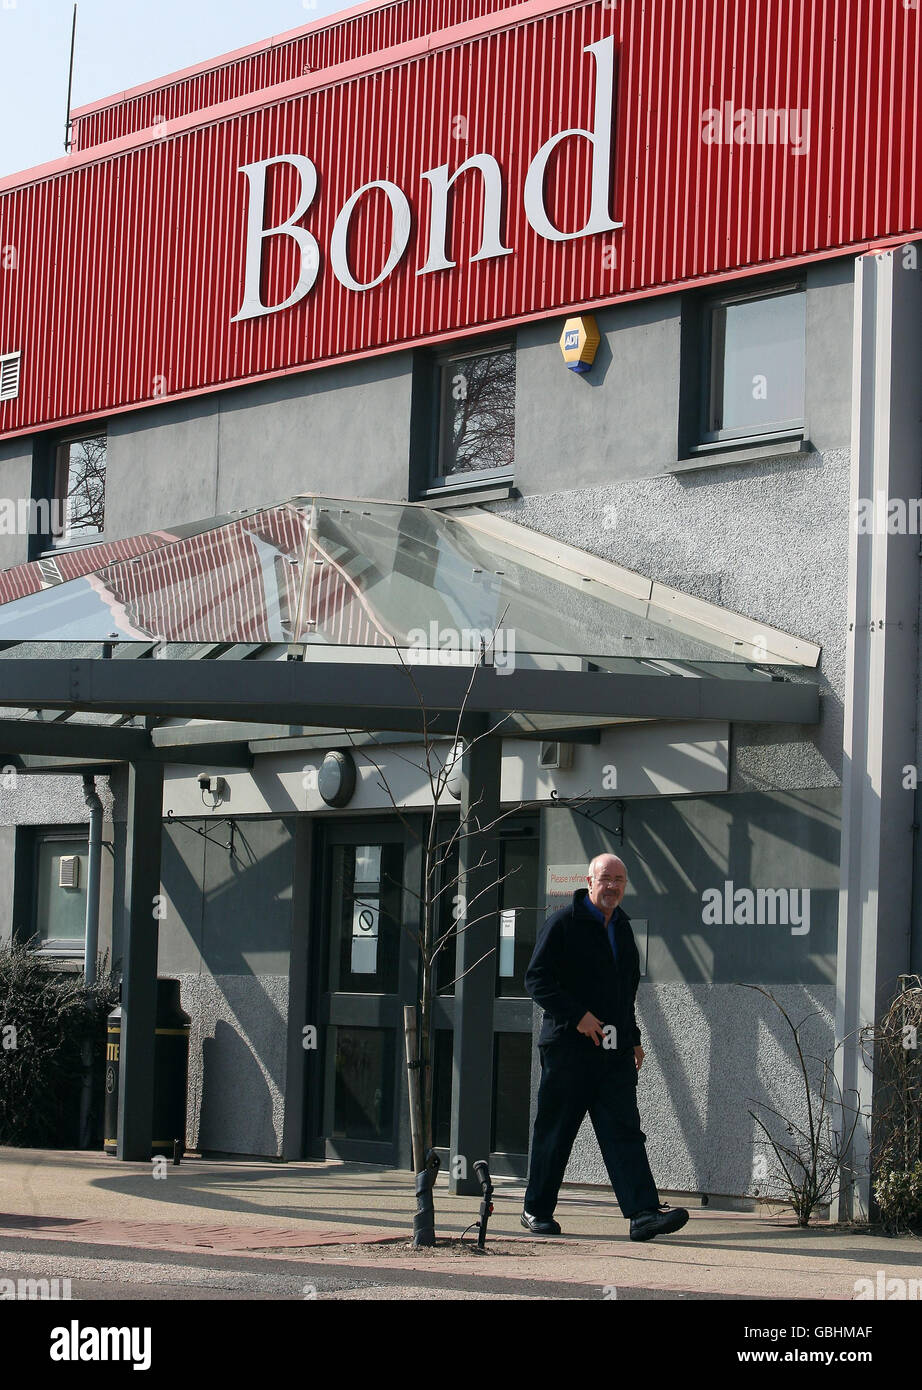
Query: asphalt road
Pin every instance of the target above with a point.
(114, 1272)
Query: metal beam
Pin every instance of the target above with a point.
(378, 697)
(479, 888)
(72, 740)
(180, 735)
(37, 764)
(139, 962)
(90, 743)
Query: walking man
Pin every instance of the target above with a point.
(584, 973)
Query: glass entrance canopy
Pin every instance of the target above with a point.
(321, 572)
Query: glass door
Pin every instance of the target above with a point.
(368, 923)
(512, 1009)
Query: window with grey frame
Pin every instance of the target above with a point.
(60, 865)
(476, 416)
(76, 491)
(754, 351)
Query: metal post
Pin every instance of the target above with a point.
(91, 938)
(91, 944)
(875, 897)
(139, 963)
(479, 867)
(70, 83)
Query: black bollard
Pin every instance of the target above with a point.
(424, 1220)
(482, 1174)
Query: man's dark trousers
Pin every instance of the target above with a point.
(576, 1077)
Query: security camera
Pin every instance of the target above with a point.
(204, 781)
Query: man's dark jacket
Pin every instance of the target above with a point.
(573, 972)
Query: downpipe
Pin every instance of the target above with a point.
(91, 945)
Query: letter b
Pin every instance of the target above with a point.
(252, 306)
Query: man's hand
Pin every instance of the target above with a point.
(592, 1027)
(638, 1057)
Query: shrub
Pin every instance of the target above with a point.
(899, 1196)
(45, 1020)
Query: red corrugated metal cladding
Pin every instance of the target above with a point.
(129, 271)
(322, 46)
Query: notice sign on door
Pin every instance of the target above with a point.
(562, 882)
(364, 937)
(507, 943)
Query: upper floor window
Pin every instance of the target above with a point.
(79, 509)
(477, 414)
(754, 353)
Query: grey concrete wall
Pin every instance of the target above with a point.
(676, 848)
(340, 431)
(15, 484)
(830, 315)
(226, 935)
(713, 1047)
(621, 420)
(237, 1044)
(766, 539)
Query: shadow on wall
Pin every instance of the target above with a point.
(712, 1047)
(236, 1113)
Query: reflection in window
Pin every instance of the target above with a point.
(366, 910)
(443, 1046)
(518, 918)
(757, 365)
(446, 919)
(511, 1092)
(364, 1094)
(478, 413)
(80, 489)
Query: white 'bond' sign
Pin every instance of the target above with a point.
(440, 181)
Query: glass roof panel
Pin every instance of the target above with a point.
(343, 573)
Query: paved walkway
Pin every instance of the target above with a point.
(362, 1216)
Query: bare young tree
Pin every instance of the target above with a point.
(435, 934)
(813, 1156)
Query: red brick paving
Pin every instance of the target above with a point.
(183, 1235)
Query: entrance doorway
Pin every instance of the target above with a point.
(367, 970)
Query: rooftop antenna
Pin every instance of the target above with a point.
(68, 142)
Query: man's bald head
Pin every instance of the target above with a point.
(607, 879)
(609, 860)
